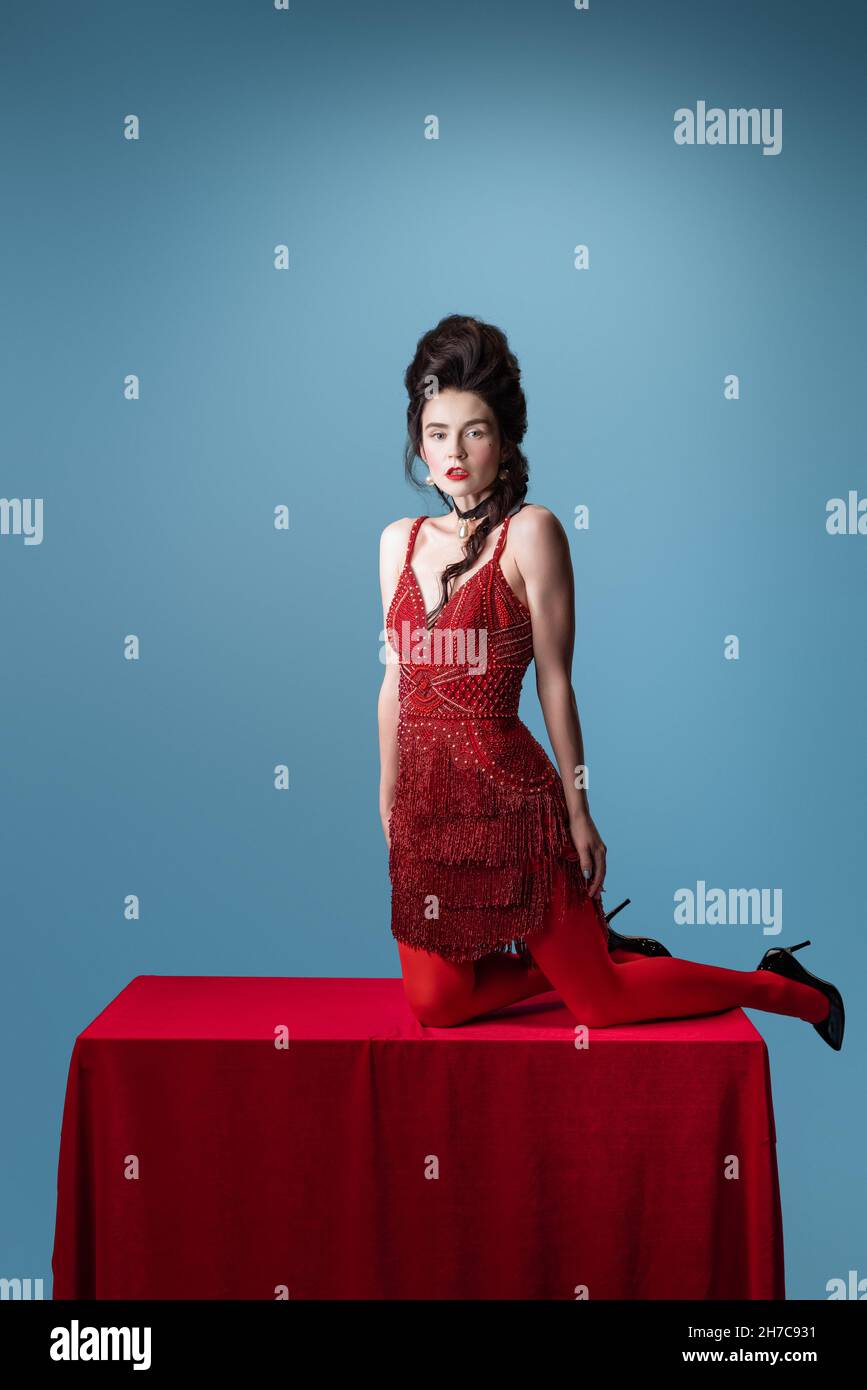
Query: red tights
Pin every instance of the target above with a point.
(598, 988)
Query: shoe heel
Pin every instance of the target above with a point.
(637, 945)
(614, 911)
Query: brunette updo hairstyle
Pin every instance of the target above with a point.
(468, 355)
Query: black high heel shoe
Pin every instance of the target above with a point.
(641, 945)
(780, 961)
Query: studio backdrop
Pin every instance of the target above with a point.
(227, 225)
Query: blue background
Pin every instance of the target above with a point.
(261, 387)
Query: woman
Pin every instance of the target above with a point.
(487, 843)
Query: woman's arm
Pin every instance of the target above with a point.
(392, 545)
(541, 551)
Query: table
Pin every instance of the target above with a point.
(259, 1138)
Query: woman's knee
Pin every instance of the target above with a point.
(436, 1009)
(591, 992)
(594, 1016)
(439, 1014)
(437, 990)
(601, 1008)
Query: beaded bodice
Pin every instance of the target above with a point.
(471, 661)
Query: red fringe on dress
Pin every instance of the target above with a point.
(474, 843)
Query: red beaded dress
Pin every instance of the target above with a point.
(479, 824)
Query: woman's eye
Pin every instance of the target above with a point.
(438, 434)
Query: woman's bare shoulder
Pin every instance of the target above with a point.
(394, 540)
(535, 526)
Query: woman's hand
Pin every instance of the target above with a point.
(385, 817)
(591, 851)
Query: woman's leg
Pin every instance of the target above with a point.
(621, 957)
(442, 993)
(502, 979)
(454, 992)
(571, 950)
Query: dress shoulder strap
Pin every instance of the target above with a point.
(501, 539)
(413, 532)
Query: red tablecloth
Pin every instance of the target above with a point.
(373, 1158)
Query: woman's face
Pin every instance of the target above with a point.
(460, 443)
